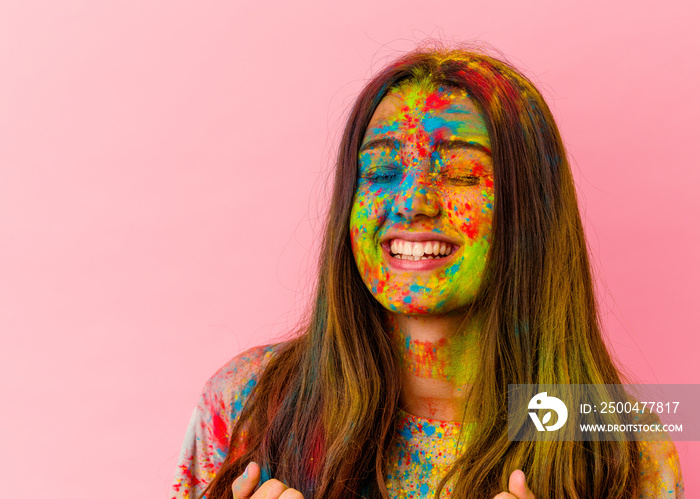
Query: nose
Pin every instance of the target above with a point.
(417, 197)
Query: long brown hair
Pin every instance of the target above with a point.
(322, 416)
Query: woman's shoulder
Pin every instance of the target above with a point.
(209, 432)
(233, 382)
(660, 470)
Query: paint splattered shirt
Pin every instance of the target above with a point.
(206, 441)
(423, 450)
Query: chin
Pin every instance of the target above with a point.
(425, 305)
(415, 307)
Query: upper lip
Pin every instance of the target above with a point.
(417, 237)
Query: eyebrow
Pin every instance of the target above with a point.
(462, 144)
(457, 110)
(377, 143)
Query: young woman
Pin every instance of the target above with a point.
(454, 263)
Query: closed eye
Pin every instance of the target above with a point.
(378, 161)
(457, 179)
(381, 174)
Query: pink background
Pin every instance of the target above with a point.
(162, 173)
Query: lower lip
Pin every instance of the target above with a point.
(427, 264)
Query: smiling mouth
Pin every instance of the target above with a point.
(420, 250)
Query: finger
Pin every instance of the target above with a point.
(272, 489)
(244, 486)
(291, 494)
(518, 487)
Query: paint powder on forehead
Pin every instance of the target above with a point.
(477, 126)
(423, 96)
(413, 92)
(436, 100)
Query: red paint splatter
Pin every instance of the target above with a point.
(436, 101)
(220, 432)
(191, 479)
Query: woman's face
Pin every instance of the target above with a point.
(421, 217)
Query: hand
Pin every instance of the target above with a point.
(244, 486)
(517, 488)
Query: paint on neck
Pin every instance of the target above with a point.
(426, 359)
(450, 357)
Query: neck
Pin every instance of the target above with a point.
(437, 354)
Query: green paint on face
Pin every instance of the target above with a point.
(426, 188)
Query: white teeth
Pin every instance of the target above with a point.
(413, 250)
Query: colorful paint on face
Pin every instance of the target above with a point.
(421, 219)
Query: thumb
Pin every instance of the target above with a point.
(244, 486)
(518, 487)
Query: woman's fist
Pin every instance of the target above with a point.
(517, 488)
(244, 486)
